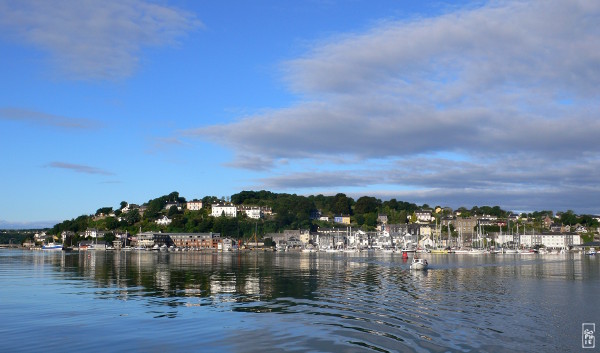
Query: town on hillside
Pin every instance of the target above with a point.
(289, 222)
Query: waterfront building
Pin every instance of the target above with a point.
(426, 242)
(66, 234)
(144, 240)
(548, 240)
(466, 226)
(407, 232)
(196, 240)
(93, 233)
(426, 230)
(226, 244)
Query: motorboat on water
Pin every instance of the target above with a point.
(592, 251)
(419, 264)
(52, 246)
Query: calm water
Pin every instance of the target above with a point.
(269, 302)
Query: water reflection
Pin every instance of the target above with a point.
(328, 302)
(267, 276)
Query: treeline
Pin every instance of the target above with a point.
(15, 236)
(290, 211)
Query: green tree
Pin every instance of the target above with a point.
(413, 218)
(342, 205)
(366, 204)
(371, 220)
(104, 210)
(392, 204)
(359, 219)
(568, 217)
(133, 217)
(111, 223)
(109, 238)
(402, 217)
(173, 210)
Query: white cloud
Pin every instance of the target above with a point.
(511, 86)
(94, 39)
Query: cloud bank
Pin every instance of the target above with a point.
(94, 39)
(498, 102)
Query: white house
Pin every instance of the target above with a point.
(129, 207)
(163, 221)
(254, 212)
(41, 236)
(93, 233)
(225, 245)
(168, 206)
(426, 242)
(66, 233)
(222, 209)
(552, 240)
(423, 216)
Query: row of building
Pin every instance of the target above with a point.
(394, 236)
(408, 236)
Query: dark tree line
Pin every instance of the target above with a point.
(290, 211)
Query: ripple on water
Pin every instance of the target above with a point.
(294, 302)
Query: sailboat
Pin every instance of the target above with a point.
(460, 249)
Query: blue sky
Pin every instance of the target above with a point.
(438, 102)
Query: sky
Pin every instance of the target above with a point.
(447, 103)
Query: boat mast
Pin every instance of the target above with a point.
(255, 231)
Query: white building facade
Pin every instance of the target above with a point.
(220, 209)
(163, 221)
(254, 212)
(552, 241)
